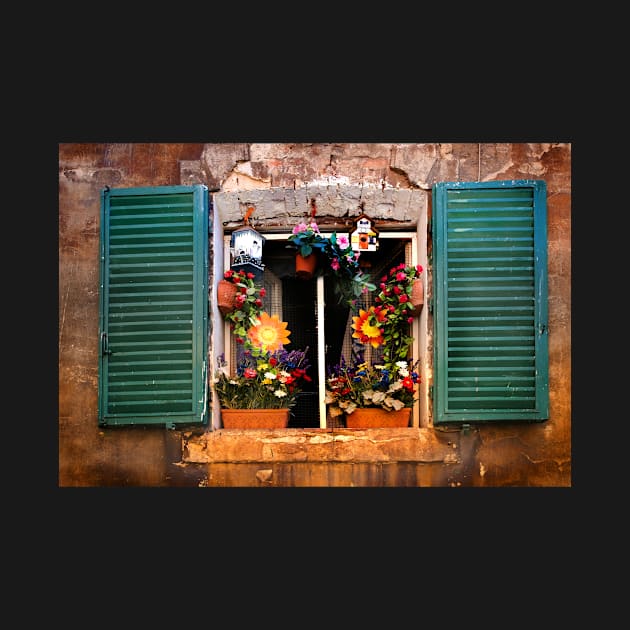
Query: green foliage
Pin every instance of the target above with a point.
(343, 261)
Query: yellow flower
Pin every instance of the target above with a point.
(365, 331)
(270, 334)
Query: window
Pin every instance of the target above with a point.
(316, 318)
(490, 291)
(153, 310)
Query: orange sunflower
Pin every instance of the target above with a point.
(270, 334)
(366, 326)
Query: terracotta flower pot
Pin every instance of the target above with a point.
(417, 297)
(226, 292)
(376, 417)
(255, 418)
(305, 266)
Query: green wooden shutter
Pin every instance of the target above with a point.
(490, 309)
(153, 306)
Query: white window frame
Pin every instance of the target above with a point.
(222, 339)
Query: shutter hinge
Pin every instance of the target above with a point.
(431, 391)
(465, 428)
(430, 305)
(169, 425)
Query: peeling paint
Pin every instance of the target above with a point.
(264, 475)
(488, 177)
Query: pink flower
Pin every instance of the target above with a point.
(300, 227)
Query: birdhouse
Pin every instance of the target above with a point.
(246, 245)
(364, 236)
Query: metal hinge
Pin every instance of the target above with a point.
(465, 428)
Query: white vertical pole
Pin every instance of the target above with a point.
(321, 353)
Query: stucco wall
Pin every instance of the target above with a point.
(499, 455)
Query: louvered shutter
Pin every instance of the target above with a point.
(153, 306)
(490, 301)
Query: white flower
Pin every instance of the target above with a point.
(270, 375)
(279, 393)
(397, 405)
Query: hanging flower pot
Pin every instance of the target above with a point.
(417, 297)
(226, 292)
(305, 266)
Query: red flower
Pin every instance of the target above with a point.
(407, 383)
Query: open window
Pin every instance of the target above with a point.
(317, 318)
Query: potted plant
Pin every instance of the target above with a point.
(307, 239)
(343, 262)
(247, 302)
(402, 289)
(268, 378)
(385, 390)
(372, 395)
(387, 322)
(263, 389)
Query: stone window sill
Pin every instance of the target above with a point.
(321, 445)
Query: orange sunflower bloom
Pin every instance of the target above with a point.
(366, 326)
(270, 334)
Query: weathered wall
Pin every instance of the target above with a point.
(503, 455)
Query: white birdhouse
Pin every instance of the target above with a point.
(246, 247)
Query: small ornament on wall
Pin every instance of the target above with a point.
(364, 236)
